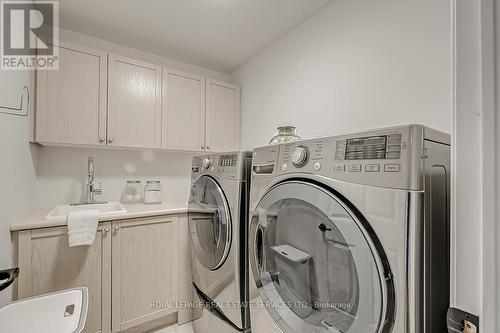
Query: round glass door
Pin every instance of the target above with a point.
(317, 264)
(209, 223)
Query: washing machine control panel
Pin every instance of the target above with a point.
(225, 165)
(389, 157)
(299, 156)
(304, 155)
(206, 163)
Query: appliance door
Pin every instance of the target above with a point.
(317, 263)
(209, 223)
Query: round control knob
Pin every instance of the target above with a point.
(300, 156)
(206, 163)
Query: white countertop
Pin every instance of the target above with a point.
(36, 219)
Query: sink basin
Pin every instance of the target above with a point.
(61, 312)
(108, 208)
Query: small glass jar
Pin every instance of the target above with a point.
(153, 192)
(285, 134)
(132, 194)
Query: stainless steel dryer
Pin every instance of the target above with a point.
(351, 233)
(218, 224)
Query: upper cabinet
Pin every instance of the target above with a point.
(100, 99)
(200, 114)
(223, 116)
(183, 110)
(71, 101)
(134, 103)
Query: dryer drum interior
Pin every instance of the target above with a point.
(315, 264)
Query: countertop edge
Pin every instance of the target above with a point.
(40, 222)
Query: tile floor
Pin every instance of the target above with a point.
(261, 323)
(186, 328)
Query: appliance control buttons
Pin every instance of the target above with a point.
(393, 149)
(340, 150)
(284, 167)
(339, 167)
(355, 168)
(393, 155)
(372, 167)
(300, 156)
(206, 163)
(394, 140)
(392, 167)
(317, 166)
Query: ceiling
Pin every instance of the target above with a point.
(217, 34)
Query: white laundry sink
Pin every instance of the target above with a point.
(107, 208)
(61, 312)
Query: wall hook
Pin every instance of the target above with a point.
(23, 108)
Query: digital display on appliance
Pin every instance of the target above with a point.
(227, 160)
(375, 147)
(369, 148)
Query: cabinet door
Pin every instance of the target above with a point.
(185, 314)
(223, 116)
(71, 101)
(134, 109)
(48, 264)
(183, 111)
(144, 271)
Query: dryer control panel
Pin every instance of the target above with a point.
(390, 157)
(225, 165)
(379, 158)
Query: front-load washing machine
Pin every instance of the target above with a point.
(218, 224)
(351, 233)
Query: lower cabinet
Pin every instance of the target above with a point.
(144, 271)
(48, 264)
(135, 273)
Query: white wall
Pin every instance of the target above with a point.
(468, 160)
(476, 152)
(62, 173)
(494, 316)
(356, 64)
(17, 166)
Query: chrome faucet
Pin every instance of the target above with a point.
(92, 188)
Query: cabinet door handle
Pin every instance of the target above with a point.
(117, 228)
(107, 229)
(110, 140)
(208, 147)
(202, 147)
(101, 140)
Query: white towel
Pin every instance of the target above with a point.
(82, 227)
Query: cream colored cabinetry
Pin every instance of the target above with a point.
(136, 271)
(144, 270)
(184, 313)
(101, 99)
(183, 110)
(71, 101)
(48, 264)
(223, 116)
(134, 103)
(200, 114)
